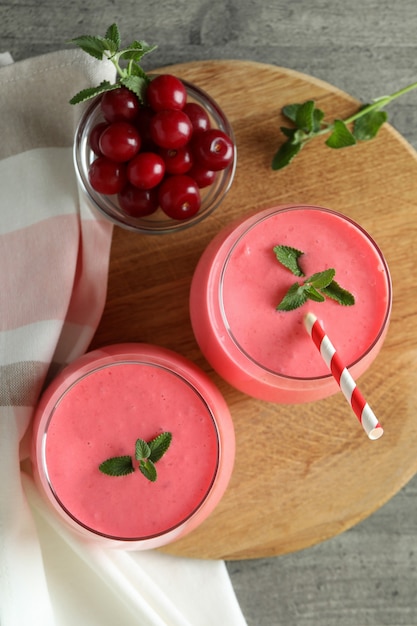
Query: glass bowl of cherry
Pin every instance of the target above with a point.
(158, 166)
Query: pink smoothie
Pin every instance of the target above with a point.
(238, 283)
(98, 409)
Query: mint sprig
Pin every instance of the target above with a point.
(316, 287)
(146, 455)
(126, 61)
(308, 123)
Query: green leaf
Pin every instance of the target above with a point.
(92, 92)
(136, 70)
(94, 46)
(290, 111)
(113, 35)
(367, 126)
(295, 112)
(148, 469)
(159, 446)
(318, 116)
(117, 466)
(317, 287)
(294, 298)
(136, 50)
(286, 153)
(341, 136)
(321, 279)
(312, 293)
(336, 292)
(288, 257)
(288, 132)
(305, 116)
(137, 84)
(142, 450)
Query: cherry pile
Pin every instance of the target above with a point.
(158, 154)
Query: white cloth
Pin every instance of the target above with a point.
(53, 272)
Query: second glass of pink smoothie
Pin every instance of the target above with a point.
(96, 409)
(238, 284)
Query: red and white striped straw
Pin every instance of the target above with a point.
(343, 378)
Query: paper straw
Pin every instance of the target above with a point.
(343, 378)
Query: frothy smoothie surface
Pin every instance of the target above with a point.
(254, 282)
(101, 416)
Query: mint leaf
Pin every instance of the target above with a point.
(321, 279)
(312, 293)
(136, 50)
(341, 136)
(113, 35)
(94, 46)
(336, 292)
(295, 297)
(297, 112)
(92, 92)
(286, 153)
(367, 126)
(288, 132)
(159, 446)
(288, 257)
(304, 118)
(290, 111)
(318, 116)
(117, 466)
(136, 70)
(137, 84)
(148, 469)
(142, 450)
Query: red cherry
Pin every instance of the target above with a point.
(119, 105)
(94, 137)
(146, 170)
(166, 92)
(179, 197)
(107, 176)
(170, 129)
(138, 202)
(142, 123)
(177, 161)
(120, 141)
(202, 176)
(198, 116)
(213, 149)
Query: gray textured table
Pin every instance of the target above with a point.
(367, 575)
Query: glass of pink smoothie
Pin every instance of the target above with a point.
(238, 284)
(96, 409)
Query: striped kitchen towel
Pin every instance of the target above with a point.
(53, 273)
(54, 255)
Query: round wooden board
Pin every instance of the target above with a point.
(303, 473)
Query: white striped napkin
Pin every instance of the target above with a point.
(54, 260)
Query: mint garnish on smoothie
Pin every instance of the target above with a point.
(146, 454)
(316, 287)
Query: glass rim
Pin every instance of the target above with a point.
(250, 223)
(42, 455)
